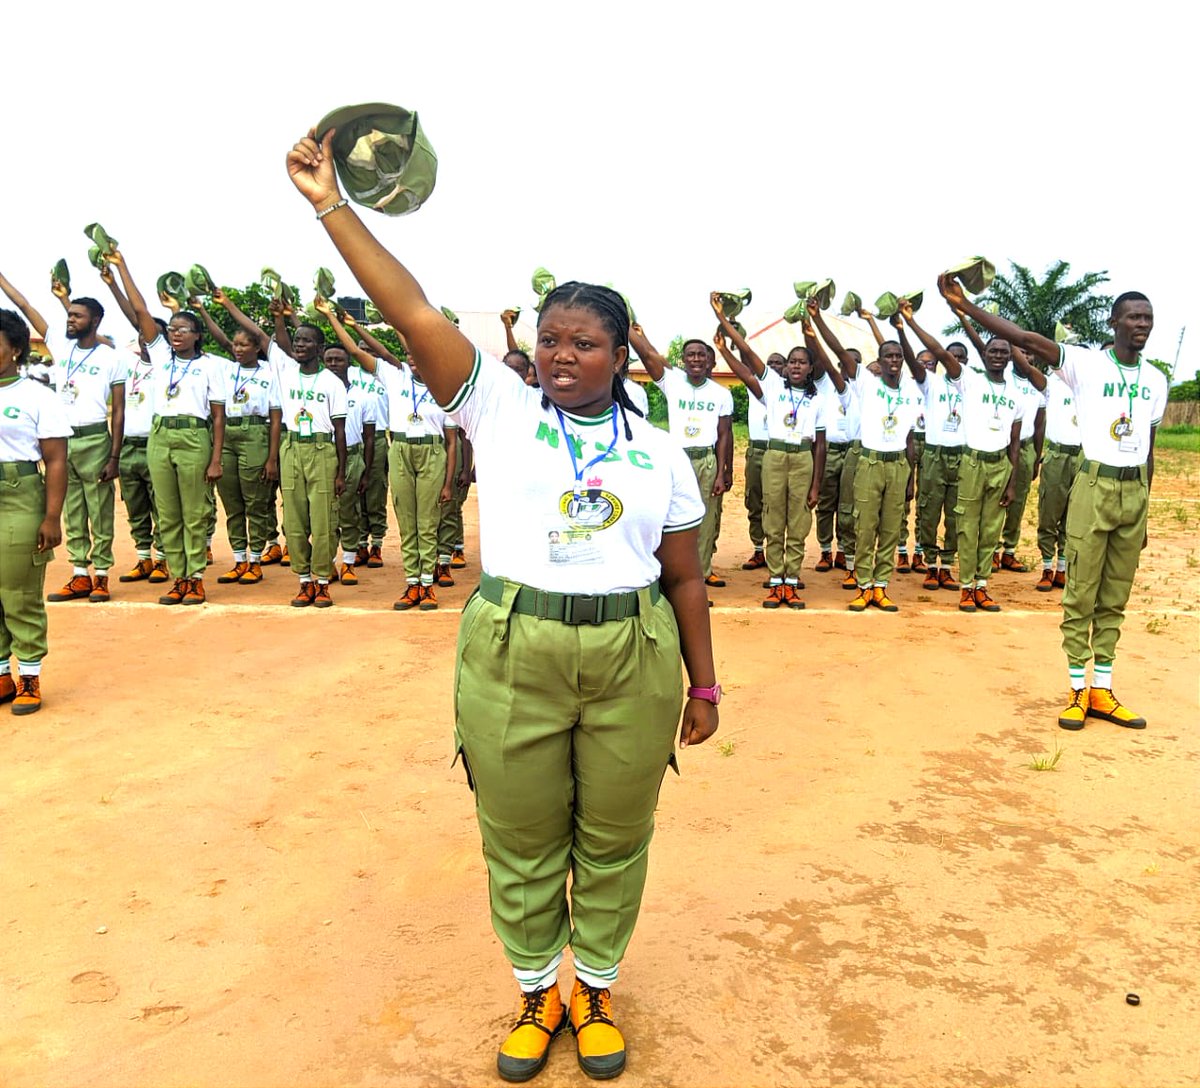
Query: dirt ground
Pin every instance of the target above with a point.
(235, 852)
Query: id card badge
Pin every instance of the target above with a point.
(995, 424)
(567, 546)
(952, 424)
(1130, 443)
(304, 422)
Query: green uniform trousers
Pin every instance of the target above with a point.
(829, 499)
(919, 449)
(374, 500)
(90, 505)
(417, 474)
(450, 524)
(245, 495)
(937, 499)
(350, 513)
(786, 515)
(22, 566)
(307, 470)
(1054, 492)
(566, 733)
(1106, 525)
(704, 464)
(978, 514)
(178, 458)
(754, 495)
(273, 506)
(1011, 534)
(879, 488)
(137, 493)
(847, 533)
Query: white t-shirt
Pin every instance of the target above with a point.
(311, 402)
(29, 412)
(638, 395)
(792, 415)
(362, 407)
(139, 394)
(370, 383)
(756, 419)
(943, 411)
(886, 414)
(989, 409)
(693, 410)
(249, 390)
(1031, 402)
(184, 387)
(535, 527)
(1116, 405)
(1062, 425)
(412, 411)
(84, 376)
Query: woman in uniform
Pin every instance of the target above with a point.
(568, 680)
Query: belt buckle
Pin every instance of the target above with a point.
(584, 608)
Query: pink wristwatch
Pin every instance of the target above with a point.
(709, 695)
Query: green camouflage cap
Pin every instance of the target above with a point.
(323, 283)
(797, 311)
(450, 316)
(851, 304)
(543, 283)
(97, 258)
(198, 281)
(975, 274)
(515, 311)
(273, 282)
(734, 302)
(371, 313)
(173, 285)
(61, 274)
(100, 237)
(822, 290)
(886, 305)
(915, 298)
(382, 157)
(1064, 334)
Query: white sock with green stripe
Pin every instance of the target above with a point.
(541, 978)
(599, 978)
(29, 668)
(1078, 674)
(1102, 675)
(5, 668)
(1062, 564)
(143, 553)
(79, 572)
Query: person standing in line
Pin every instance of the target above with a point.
(700, 415)
(1060, 465)
(923, 360)
(86, 374)
(33, 428)
(1120, 400)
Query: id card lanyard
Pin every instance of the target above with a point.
(579, 472)
(415, 416)
(1133, 387)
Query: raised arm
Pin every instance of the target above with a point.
(243, 321)
(813, 342)
(749, 355)
(279, 311)
(365, 359)
(144, 323)
(1034, 343)
(447, 357)
(976, 340)
(651, 357)
(869, 318)
(508, 318)
(846, 358)
(22, 303)
(214, 330)
(106, 275)
(929, 343)
(1024, 366)
(379, 349)
(744, 372)
(914, 368)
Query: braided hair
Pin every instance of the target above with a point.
(610, 308)
(16, 332)
(809, 386)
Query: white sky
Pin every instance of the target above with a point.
(668, 149)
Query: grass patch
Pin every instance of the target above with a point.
(1181, 436)
(1048, 761)
(727, 747)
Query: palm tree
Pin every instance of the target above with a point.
(1038, 307)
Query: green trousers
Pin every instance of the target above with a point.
(937, 499)
(786, 478)
(978, 513)
(450, 524)
(1011, 534)
(245, 495)
(754, 494)
(350, 513)
(90, 505)
(374, 500)
(918, 483)
(829, 499)
(273, 509)
(566, 733)
(137, 493)
(1106, 525)
(417, 474)
(22, 566)
(705, 466)
(846, 530)
(879, 488)
(1054, 492)
(306, 474)
(178, 459)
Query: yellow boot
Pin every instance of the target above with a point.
(525, 1051)
(600, 1045)
(1102, 703)
(1077, 710)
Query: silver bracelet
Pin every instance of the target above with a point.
(332, 208)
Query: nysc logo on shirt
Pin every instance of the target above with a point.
(306, 394)
(1126, 390)
(549, 435)
(993, 399)
(11, 411)
(592, 509)
(697, 405)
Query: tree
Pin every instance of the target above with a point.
(1039, 306)
(1187, 390)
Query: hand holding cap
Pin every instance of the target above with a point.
(975, 274)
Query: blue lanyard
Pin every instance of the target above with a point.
(571, 446)
(239, 388)
(791, 391)
(74, 367)
(172, 383)
(412, 383)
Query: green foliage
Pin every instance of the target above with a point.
(1180, 436)
(658, 404)
(1188, 390)
(675, 352)
(1164, 367)
(741, 402)
(1038, 305)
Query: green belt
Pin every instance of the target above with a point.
(137, 441)
(246, 421)
(1026, 441)
(882, 455)
(779, 446)
(987, 455)
(318, 436)
(1058, 447)
(356, 448)
(838, 447)
(10, 470)
(86, 429)
(569, 608)
(1112, 472)
(698, 453)
(421, 440)
(856, 446)
(181, 423)
(758, 443)
(933, 447)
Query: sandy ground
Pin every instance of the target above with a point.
(235, 852)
